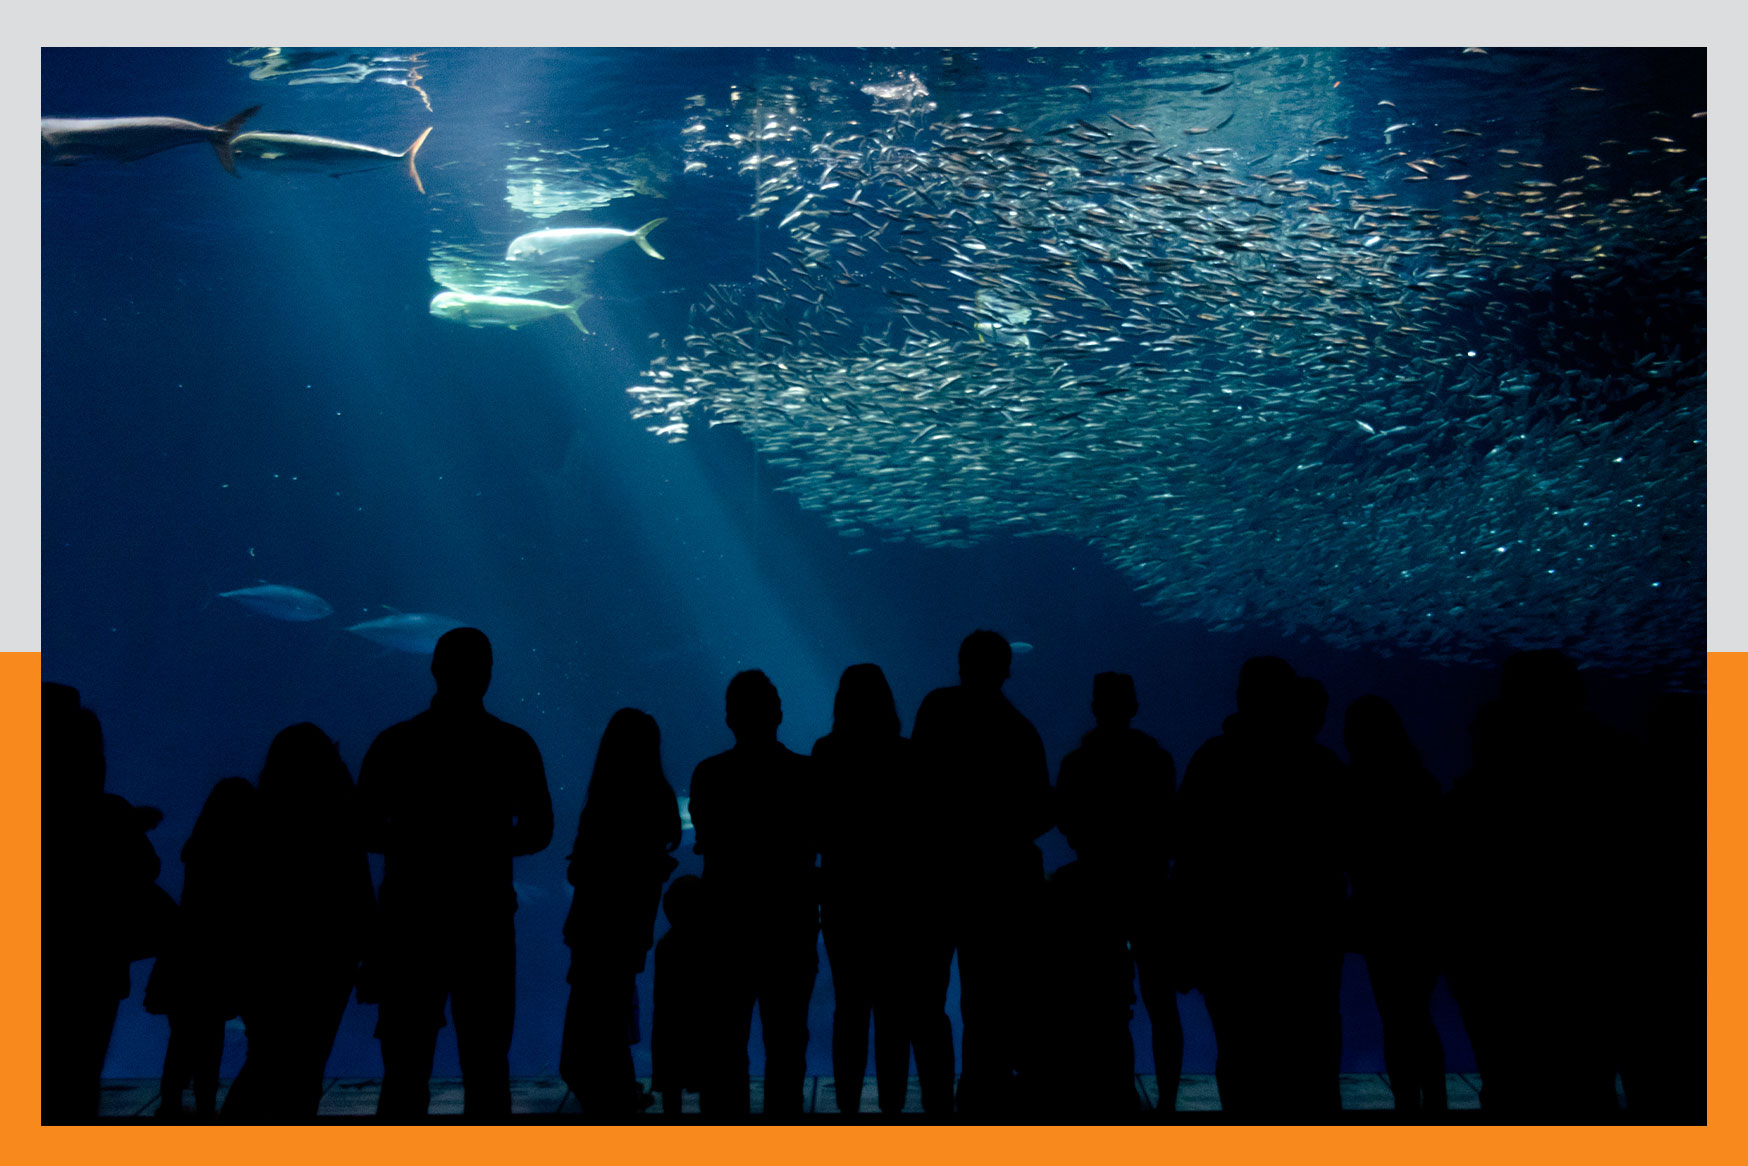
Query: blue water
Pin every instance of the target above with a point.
(241, 383)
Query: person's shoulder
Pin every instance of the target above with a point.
(1140, 739)
(1019, 720)
(1213, 750)
(835, 749)
(120, 814)
(945, 695)
(790, 759)
(516, 733)
(411, 728)
(711, 764)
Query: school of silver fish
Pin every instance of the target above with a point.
(1411, 390)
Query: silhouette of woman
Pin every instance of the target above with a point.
(313, 907)
(198, 980)
(629, 824)
(886, 939)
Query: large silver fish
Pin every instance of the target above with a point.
(574, 244)
(331, 156)
(416, 632)
(507, 311)
(67, 141)
(281, 602)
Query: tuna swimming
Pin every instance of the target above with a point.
(67, 141)
(507, 311)
(280, 602)
(329, 156)
(415, 632)
(573, 244)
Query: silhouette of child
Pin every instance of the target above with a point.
(678, 1033)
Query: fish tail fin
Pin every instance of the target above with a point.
(641, 237)
(412, 153)
(227, 131)
(570, 310)
(236, 123)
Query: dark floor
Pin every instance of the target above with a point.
(541, 1096)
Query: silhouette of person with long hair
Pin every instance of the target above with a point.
(1395, 920)
(754, 824)
(679, 1039)
(450, 798)
(1259, 888)
(1115, 797)
(101, 905)
(629, 824)
(884, 923)
(310, 923)
(1539, 834)
(988, 763)
(198, 981)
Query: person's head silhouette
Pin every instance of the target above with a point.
(631, 741)
(1113, 701)
(864, 705)
(984, 660)
(754, 710)
(628, 762)
(1267, 692)
(304, 776)
(72, 742)
(1374, 734)
(462, 664)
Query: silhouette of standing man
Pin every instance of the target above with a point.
(988, 762)
(1259, 891)
(754, 825)
(101, 905)
(448, 799)
(1115, 797)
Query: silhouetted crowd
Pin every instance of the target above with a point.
(1559, 886)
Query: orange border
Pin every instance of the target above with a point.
(27, 1141)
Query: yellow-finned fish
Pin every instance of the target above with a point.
(573, 244)
(505, 311)
(323, 155)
